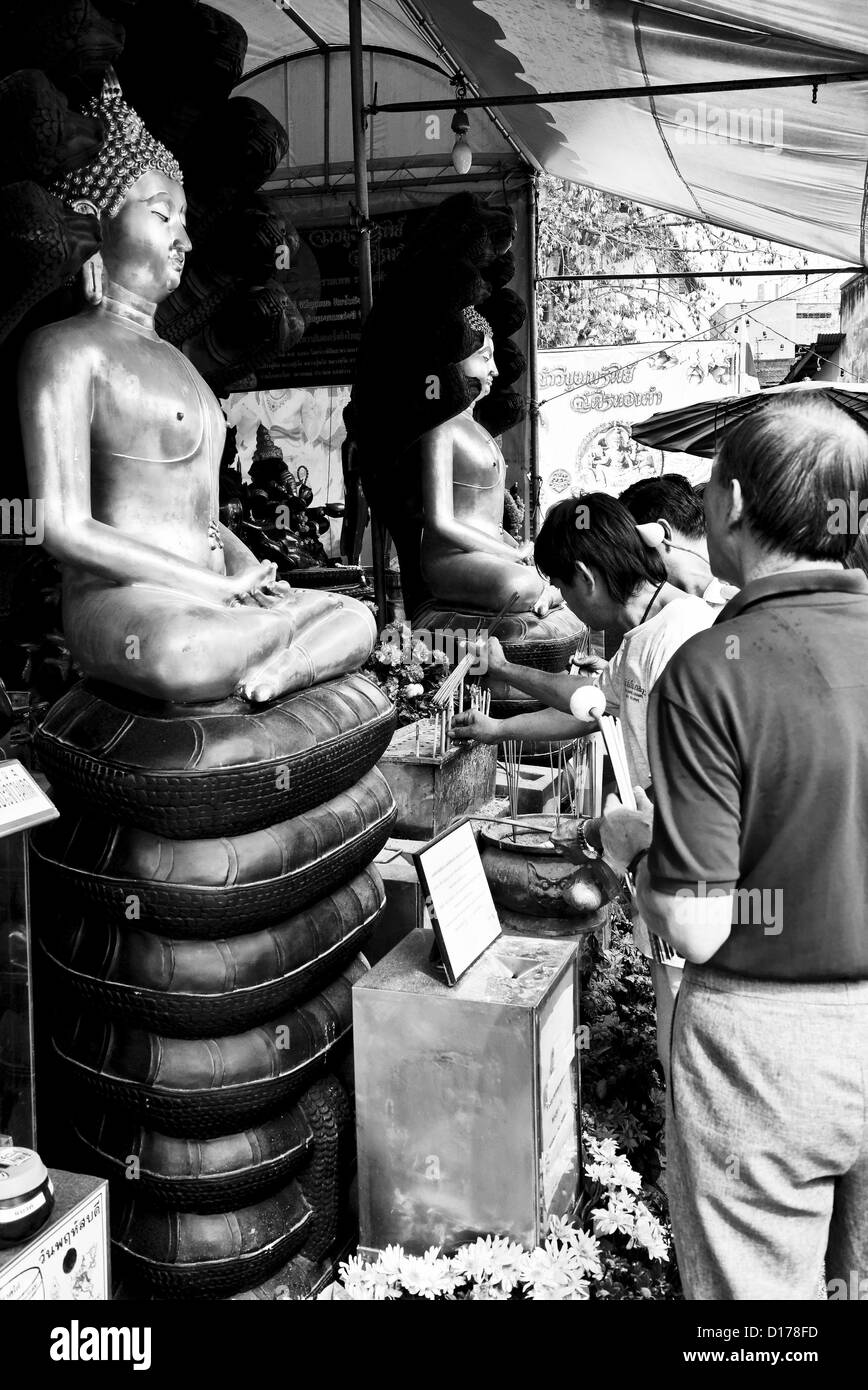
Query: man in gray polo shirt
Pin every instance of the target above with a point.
(758, 872)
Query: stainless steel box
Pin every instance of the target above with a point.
(466, 1097)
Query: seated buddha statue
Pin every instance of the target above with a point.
(431, 394)
(467, 558)
(123, 441)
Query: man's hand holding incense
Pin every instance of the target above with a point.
(624, 833)
(490, 656)
(471, 725)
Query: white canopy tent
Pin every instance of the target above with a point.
(765, 160)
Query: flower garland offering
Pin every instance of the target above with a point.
(410, 671)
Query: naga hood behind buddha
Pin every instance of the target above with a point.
(407, 378)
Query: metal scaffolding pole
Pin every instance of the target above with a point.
(770, 273)
(533, 415)
(366, 293)
(752, 84)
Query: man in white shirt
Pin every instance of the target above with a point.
(676, 507)
(591, 550)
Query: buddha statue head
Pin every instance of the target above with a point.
(477, 349)
(135, 187)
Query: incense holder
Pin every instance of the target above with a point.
(528, 876)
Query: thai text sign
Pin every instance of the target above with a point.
(590, 397)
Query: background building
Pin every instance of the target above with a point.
(778, 331)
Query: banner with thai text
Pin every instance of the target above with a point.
(589, 397)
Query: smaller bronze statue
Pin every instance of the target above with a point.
(434, 388)
(468, 559)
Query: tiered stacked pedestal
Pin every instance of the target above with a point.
(202, 924)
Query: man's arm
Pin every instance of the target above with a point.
(552, 688)
(685, 887)
(696, 927)
(542, 724)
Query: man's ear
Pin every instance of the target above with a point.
(667, 529)
(584, 576)
(736, 503)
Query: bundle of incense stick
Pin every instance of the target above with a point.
(579, 780)
(581, 651)
(512, 764)
(453, 681)
(439, 733)
(587, 702)
(480, 700)
(613, 738)
(557, 781)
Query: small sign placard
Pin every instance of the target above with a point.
(458, 898)
(22, 803)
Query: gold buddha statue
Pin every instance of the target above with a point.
(433, 389)
(123, 441)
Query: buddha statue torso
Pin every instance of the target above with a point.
(478, 477)
(153, 450)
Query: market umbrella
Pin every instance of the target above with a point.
(699, 428)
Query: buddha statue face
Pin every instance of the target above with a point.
(479, 366)
(146, 242)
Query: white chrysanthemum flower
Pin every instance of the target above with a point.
(475, 1262)
(560, 1229)
(603, 1173)
(626, 1177)
(606, 1149)
(428, 1276)
(507, 1258)
(356, 1276)
(391, 1262)
(616, 1217)
(353, 1270)
(649, 1233)
(381, 1283)
(554, 1271)
(576, 1292)
(587, 1249)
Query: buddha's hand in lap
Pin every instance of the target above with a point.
(243, 587)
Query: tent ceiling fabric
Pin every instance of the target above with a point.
(272, 33)
(767, 162)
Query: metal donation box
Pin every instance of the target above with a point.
(466, 1095)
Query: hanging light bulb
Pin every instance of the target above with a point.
(462, 155)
